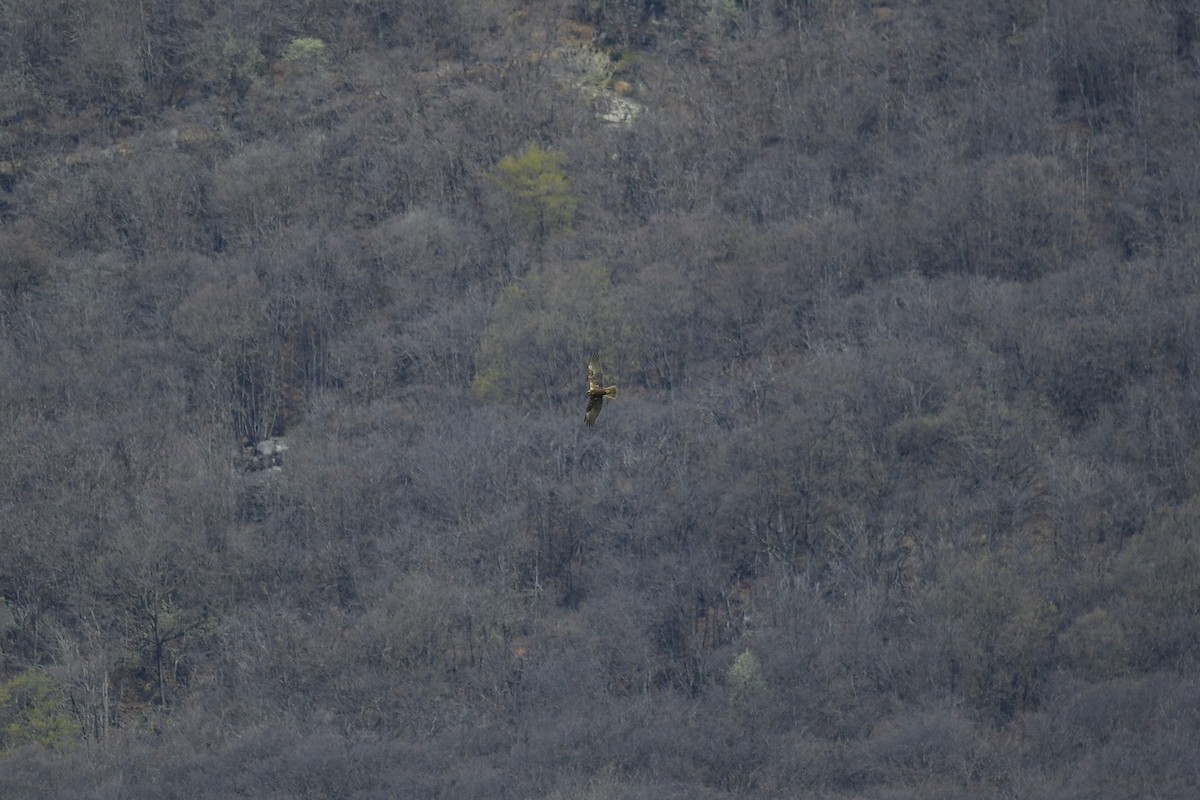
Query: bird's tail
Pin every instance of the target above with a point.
(610, 391)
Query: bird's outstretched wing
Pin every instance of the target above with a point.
(595, 376)
(595, 402)
(597, 391)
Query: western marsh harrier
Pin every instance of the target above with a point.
(597, 391)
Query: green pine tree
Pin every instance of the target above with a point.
(540, 189)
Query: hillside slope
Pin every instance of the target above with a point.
(296, 302)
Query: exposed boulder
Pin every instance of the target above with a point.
(265, 454)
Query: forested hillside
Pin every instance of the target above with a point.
(900, 497)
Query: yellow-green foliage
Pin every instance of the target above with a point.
(745, 677)
(543, 327)
(307, 51)
(539, 188)
(31, 711)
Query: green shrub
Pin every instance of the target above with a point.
(745, 677)
(539, 187)
(307, 51)
(32, 712)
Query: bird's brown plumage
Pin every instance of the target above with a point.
(597, 391)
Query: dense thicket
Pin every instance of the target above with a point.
(900, 497)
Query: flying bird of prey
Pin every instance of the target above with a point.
(597, 391)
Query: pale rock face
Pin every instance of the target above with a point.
(617, 110)
(267, 454)
(271, 447)
(590, 68)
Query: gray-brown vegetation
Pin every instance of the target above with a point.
(901, 499)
